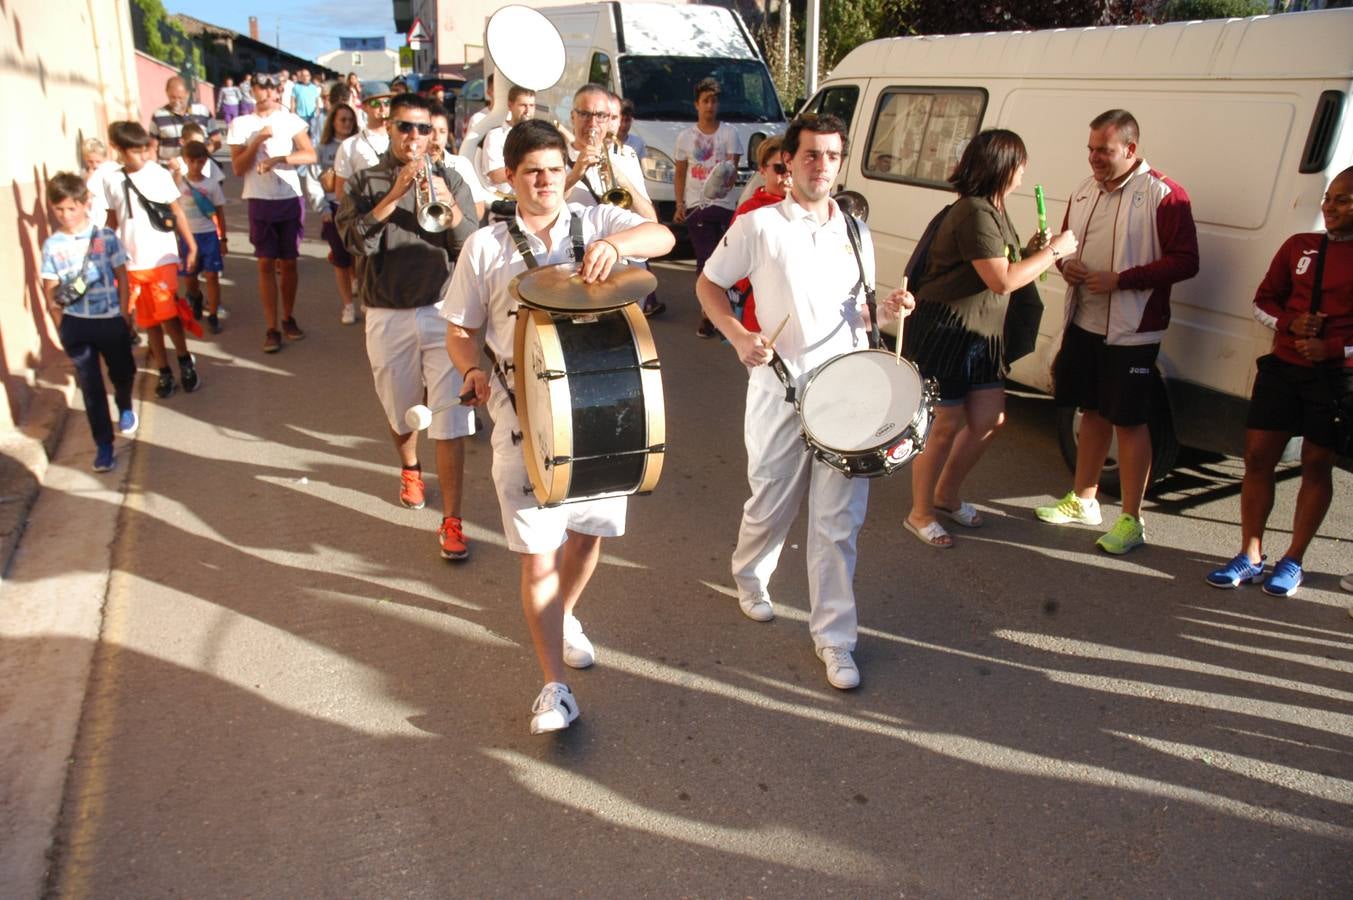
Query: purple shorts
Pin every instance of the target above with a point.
(338, 254)
(276, 227)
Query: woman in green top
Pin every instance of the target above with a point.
(954, 336)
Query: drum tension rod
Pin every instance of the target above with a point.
(650, 364)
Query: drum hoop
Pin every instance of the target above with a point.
(655, 410)
(807, 388)
(550, 485)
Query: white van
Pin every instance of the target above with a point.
(1250, 116)
(653, 54)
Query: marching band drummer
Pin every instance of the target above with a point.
(808, 267)
(559, 546)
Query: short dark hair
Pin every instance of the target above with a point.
(195, 150)
(409, 100)
(818, 124)
(988, 163)
(66, 186)
(518, 91)
(528, 137)
(627, 107)
(128, 135)
(1124, 122)
(707, 86)
(590, 88)
(436, 109)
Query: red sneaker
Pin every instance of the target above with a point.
(452, 539)
(411, 488)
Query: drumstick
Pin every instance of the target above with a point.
(897, 357)
(420, 417)
(777, 331)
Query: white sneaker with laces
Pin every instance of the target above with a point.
(349, 315)
(842, 672)
(757, 607)
(578, 650)
(554, 708)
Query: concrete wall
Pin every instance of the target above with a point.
(152, 75)
(67, 65)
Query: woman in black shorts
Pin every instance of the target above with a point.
(1307, 299)
(954, 336)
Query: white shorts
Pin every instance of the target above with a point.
(530, 528)
(409, 363)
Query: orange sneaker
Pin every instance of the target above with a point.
(411, 488)
(452, 539)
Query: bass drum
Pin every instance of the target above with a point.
(866, 413)
(589, 402)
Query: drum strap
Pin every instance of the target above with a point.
(853, 230)
(575, 234)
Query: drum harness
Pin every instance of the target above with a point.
(778, 365)
(575, 234)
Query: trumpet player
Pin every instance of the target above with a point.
(408, 218)
(599, 170)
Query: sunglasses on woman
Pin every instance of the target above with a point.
(779, 168)
(406, 127)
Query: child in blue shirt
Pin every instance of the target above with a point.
(84, 281)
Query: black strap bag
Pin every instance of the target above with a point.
(161, 214)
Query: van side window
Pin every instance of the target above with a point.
(918, 134)
(600, 70)
(836, 101)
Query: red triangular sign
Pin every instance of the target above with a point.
(417, 33)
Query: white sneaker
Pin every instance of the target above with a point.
(554, 708)
(578, 650)
(757, 607)
(841, 670)
(349, 316)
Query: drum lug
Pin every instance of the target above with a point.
(557, 461)
(658, 448)
(550, 375)
(650, 364)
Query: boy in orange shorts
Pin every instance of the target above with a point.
(143, 200)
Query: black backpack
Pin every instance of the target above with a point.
(920, 256)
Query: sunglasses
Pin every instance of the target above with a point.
(380, 101)
(779, 168)
(266, 85)
(405, 127)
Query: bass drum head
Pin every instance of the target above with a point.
(860, 401)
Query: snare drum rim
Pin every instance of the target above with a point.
(818, 442)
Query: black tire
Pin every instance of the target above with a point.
(1164, 446)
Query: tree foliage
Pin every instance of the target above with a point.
(161, 37)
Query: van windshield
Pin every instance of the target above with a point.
(661, 87)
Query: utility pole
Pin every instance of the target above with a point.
(810, 51)
(786, 13)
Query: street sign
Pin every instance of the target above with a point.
(418, 37)
(406, 58)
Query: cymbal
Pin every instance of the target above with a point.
(559, 288)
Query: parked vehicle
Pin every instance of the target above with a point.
(1249, 115)
(653, 54)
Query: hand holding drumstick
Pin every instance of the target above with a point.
(899, 304)
(754, 348)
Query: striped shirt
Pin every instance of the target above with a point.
(167, 126)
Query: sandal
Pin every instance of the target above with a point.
(932, 535)
(966, 515)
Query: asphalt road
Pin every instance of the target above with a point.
(294, 695)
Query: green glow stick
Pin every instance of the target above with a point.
(1042, 217)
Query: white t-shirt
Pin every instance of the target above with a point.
(465, 169)
(361, 151)
(98, 188)
(803, 270)
(491, 157)
(625, 163)
(703, 152)
(199, 222)
(284, 181)
(477, 293)
(178, 166)
(147, 247)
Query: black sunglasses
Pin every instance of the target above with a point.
(779, 168)
(423, 128)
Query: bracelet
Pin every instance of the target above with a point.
(1054, 252)
(612, 246)
(466, 374)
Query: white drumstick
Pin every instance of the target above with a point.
(901, 320)
(420, 416)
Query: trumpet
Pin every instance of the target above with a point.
(433, 214)
(611, 192)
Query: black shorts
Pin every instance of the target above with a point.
(1114, 381)
(1297, 399)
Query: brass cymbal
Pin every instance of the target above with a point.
(559, 288)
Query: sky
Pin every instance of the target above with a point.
(307, 28)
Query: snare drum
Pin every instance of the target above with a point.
(590, 404)
(866, 413)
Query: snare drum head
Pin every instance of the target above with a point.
(860, 401)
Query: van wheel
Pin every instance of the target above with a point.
(1164, 446)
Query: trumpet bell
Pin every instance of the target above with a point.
(618, 197)
(434, 217)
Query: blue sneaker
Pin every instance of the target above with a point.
(104, 459)
(1237, 571)
(1286, 578)
(127, 422)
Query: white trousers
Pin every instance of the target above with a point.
(779, 469)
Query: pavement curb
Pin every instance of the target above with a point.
(26, 451)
